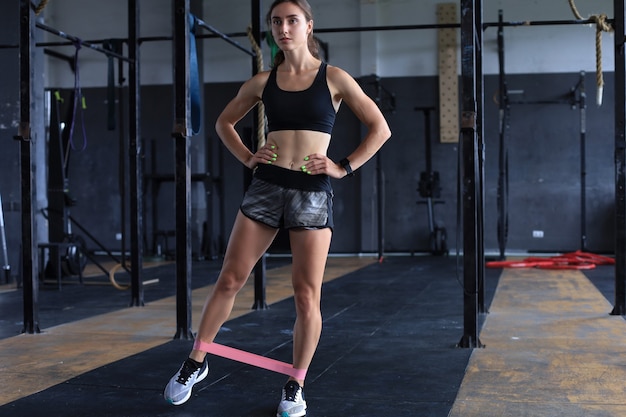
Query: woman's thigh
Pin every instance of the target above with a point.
(248, 241)
(309, 250)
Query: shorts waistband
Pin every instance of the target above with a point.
(293, 179)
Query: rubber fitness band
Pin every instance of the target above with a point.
(250, 359)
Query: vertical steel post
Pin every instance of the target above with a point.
(181, 135)
(380, 204)
(6, 267)
(503, 183)
(620, 159)
(29, 254)
(470, 193)
(260, 301)
(58, 214)
(380, 188)
(582, 108)
(136, 157)
(480, 131)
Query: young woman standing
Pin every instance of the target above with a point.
(291, 188)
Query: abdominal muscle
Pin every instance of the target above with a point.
(292, 146)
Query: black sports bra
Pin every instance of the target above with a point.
(310, 109)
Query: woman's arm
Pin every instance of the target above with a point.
(345, 88)
(248, 96)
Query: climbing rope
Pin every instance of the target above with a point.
(602, 25)
(42, 5)
(260, 108)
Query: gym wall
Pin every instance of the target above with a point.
(544, 147)
(544, 171)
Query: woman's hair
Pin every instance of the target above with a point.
(308, 14)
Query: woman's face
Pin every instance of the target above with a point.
(290, 28)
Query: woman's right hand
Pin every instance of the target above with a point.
(265, 155)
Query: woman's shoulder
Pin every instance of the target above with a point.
(338, 75)
(334, 71)
(339, 78)
(260, 77)
(256, 84)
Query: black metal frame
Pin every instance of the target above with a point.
(429, 188)
(620, 158)
(226, 38)
(76, 40)
(260, 279)
(503, 163)
(576, 97)
(181, 135)
(473, 172)
(619, 24)
(136, 157)
(471, 148)
(29, 253)
(386, 101)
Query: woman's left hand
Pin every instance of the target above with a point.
(316, 164)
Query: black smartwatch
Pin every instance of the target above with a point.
(346, 165)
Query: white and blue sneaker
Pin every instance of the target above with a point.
(292, 402)
(178, 390)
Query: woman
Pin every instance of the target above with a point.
(290, 189)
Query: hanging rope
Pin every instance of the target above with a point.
(260, 134)
(601, 26)
(42, 5)
(80, 104)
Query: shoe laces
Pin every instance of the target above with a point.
(185, 372)
(291, 390)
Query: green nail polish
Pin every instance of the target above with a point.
(274, 155)
(303, 167)
(306, 158)
(272, 146)
(308, 172)
(269, 162)
(273, 159)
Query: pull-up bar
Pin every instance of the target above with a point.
(228, 36)
(91, 44)
(223, 36)
(75, 40)
(456, 26)
(541, 23)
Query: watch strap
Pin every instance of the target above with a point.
(346, 165)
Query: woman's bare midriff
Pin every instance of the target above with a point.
(292, 146)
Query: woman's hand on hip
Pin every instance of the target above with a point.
(316, 164)
(265, 155)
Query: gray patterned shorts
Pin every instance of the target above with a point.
(282, 198)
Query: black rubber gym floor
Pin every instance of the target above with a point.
(388, 348)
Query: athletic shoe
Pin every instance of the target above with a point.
(292, 402)
(178, 390)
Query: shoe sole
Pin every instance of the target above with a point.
(286, 414)
(186, 398)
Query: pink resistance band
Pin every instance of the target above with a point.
(250, 359)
